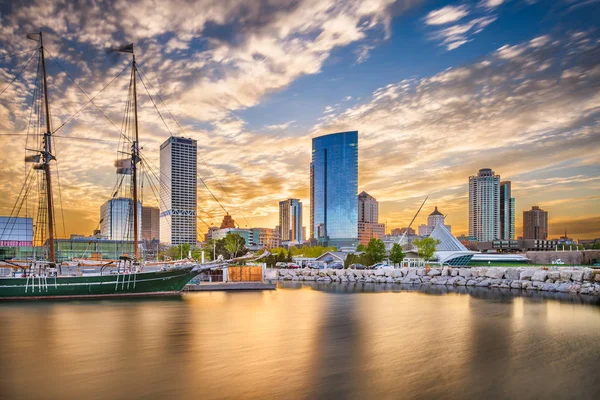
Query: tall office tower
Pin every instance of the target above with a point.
(434, 219)
(178, 191)
(116, 218)
(484, 205)
(507, 212)
(290, 221)
(150, 223)
(333, 188)
(535, 224)
(368, 219)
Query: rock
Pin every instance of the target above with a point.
(575, 288)
(565, 275)
(460, 282)
(406, 280)
(442, 280)
(549, 280)
(379, 272)
(531, 287)
(454, 272)
(465, 272)
(310, 278)
(526, 274)
(484, 283)
(330, 272)
(444, 271)
(597, 277)
(540, 275)
(343, 278)
(563, 287)
(322, 273)
(396, 273)
(404, 271)
(351, 278)
(425, 279)
(306, 272)
(554, 275)
(588, 274)
(420, 271)
(340, 272)
(287, 278)
(577, 276)
(504, 286)
(451, 281)
(434, 272)
(549, 287)
(380, 279)
(471, 282)
(495, 272)
(513, 274)
(584, 290)
(389, 280)
(516, 284)
(525, 284)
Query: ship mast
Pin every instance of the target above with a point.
(47, 157)
(134, 160)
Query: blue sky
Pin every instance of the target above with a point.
(437, 90)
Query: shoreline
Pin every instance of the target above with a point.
(577, 280)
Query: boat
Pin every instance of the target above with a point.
(44, 279)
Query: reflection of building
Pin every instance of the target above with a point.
(116, 218)
(228, 222)
(290, 221)
(434, 219)
(507, 212)
(333, 188)
(150, 223)
(535, 224)
(484, 205)
(178, 191)
(16, 232)
(368, 219)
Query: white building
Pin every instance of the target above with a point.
(484, 205)
(290, 221)
(178, 191)
(434, 219)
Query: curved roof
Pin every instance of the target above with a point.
(436, 212)
(447, 241)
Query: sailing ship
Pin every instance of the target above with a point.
(120, 278)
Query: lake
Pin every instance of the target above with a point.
(305, 341)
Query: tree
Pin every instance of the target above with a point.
(396, 254)
(376, 250)
(426, 247)
(234, 244)
(361, 247)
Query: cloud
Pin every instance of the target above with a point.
(446, 15)
(279, 127)
(362, 53)
(490, 3)
(456, 35)
(502, 111)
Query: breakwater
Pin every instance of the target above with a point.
(579, 280)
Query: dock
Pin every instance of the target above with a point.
(229, 286)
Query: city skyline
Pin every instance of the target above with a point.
(425, 122)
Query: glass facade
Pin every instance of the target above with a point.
(334, 187)
(116, 219)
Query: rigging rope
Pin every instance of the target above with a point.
(17, 76)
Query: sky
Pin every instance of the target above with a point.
(437, 90)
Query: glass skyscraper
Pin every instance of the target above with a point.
(333, 189)
(116, 219)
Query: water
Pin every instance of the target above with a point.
(304, 342)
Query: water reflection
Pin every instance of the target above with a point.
(306, 341)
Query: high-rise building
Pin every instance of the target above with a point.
(227, 222)
(368, 219)
(16, 231)
(116, 219)
(150, 223)
(507, 212)
(484, 205)
(290, 221)
(535, 224)
(333, 188)
(266, 237)
(178, 191)
(434, 219)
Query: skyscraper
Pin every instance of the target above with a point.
(333, 188)
(484, 205)
(507, 212)
(150, 223)
(535, 224)
(368, 219)
(290, 221)
(116, 219)
(178, 191)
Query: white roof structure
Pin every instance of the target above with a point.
(450, 251)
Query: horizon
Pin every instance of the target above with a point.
(435, 91)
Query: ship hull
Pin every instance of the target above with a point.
(159, 283)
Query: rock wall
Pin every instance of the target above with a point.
(560, 279)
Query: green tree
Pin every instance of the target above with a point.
(596, 246)
(361, 247)
(376, 250)
(396, 254)
(426, 247)
(234, 244)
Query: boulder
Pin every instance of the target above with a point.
(306, 272)
(322, 273)
(471, 282)
(495, 272)
(465, 272)
(525, 284)
(565, 275)
(577, 276)
(340, 272)
(330, 272)
(588, 274)
(434, 272)
(379, 272)
(404, 271)
(526, 274)
(388, 271)
(563, 287)
(442, 280)
(454, 272)
(597, 277)
(396, 273)
(460, 281)
(513, 274)
(451, 280)
(540, 275)
(389, 280)
(484, 283)
(554, 275)
(516, 284)
(445, 271)
(351, 278)
(420, 272)
(406, 280)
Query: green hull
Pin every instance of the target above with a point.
(159, 283)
